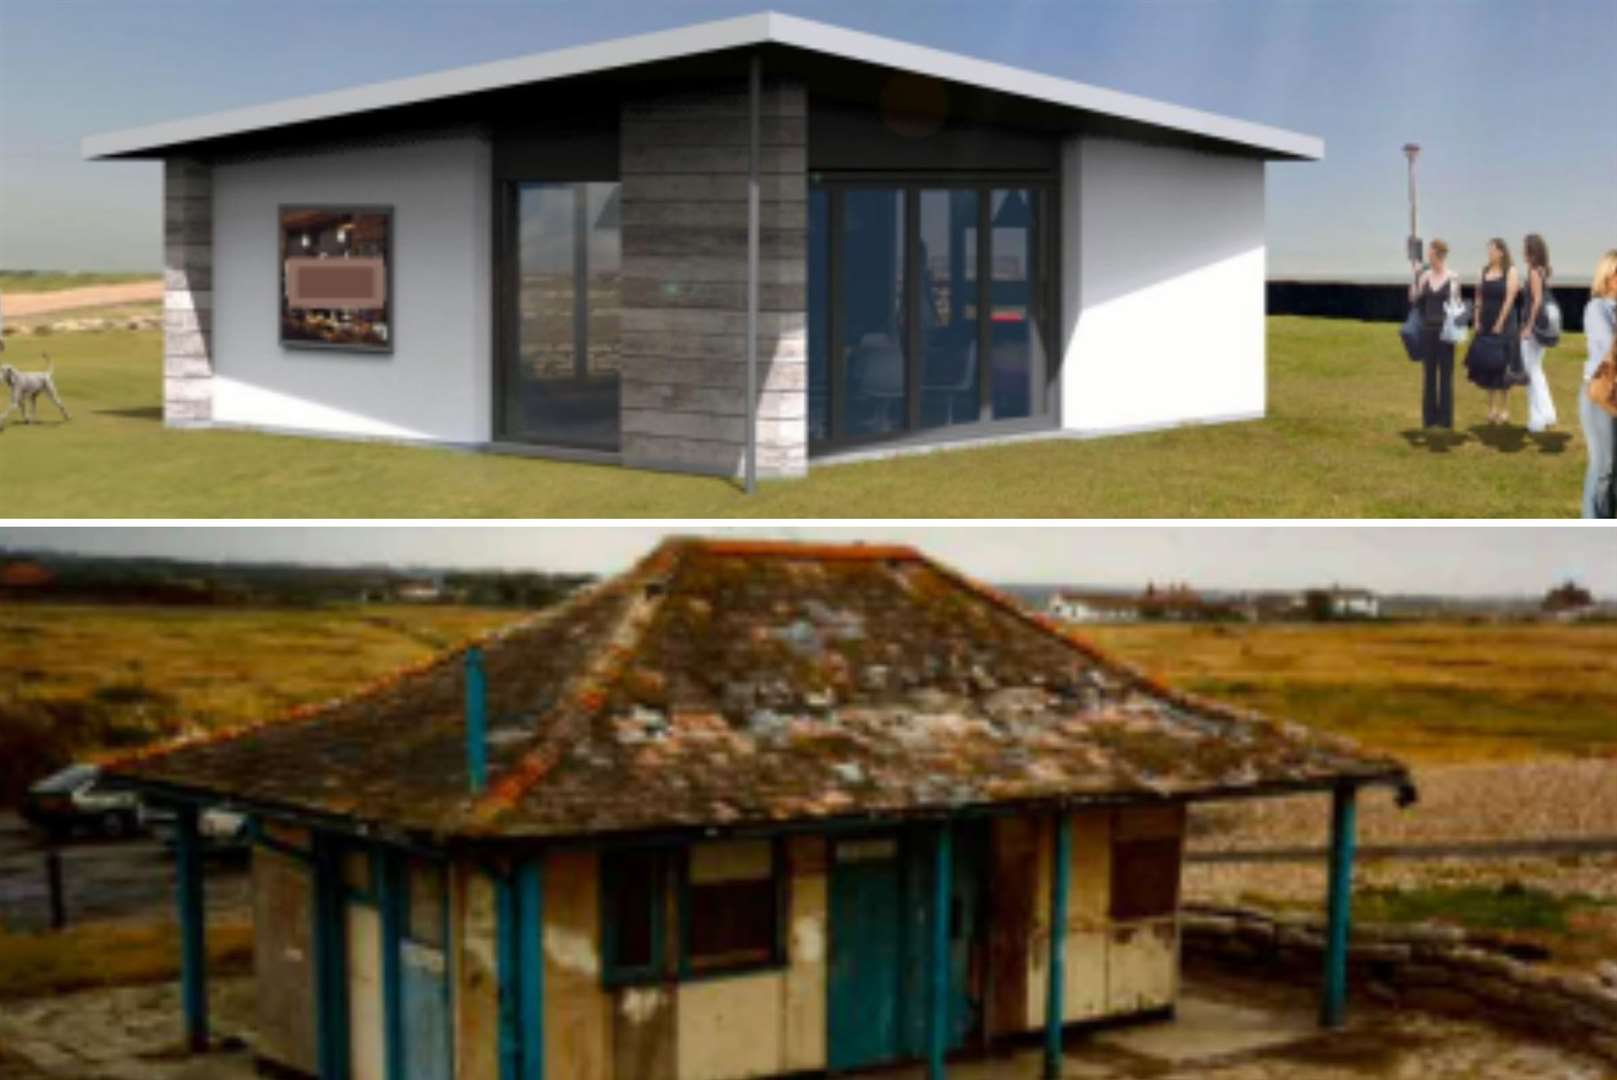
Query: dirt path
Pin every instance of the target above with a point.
(21, 305)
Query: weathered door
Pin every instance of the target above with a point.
(865, 981)
(424, 976)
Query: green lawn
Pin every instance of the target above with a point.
(31, 281)
(1339, 442)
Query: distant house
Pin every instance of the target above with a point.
(1092, 608)
(748, 809)
(419, 591)
(25, 574)
(1337, 602)
(1568, 600)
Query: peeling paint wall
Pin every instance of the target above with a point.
(1110, 968)
(477, 982)
(283, 958)
(578, 1012)
(366, 1031)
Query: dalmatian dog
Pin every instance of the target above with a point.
(25, 388)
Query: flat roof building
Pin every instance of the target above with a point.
(747, 809)
(738, 247)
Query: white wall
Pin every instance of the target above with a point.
(1163, 286)
(436, 382)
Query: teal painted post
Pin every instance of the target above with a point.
(531, 967)
(331, 988)
(193, 927)
(506, 933)
(476, 721)
(1055, 1007)
(390, 898)
(942, 890)
(1339, 913)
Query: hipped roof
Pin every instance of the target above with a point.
(802, 36)
(732, 685)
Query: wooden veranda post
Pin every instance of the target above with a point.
(1339, 914)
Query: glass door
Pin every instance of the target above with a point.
(562, 355)
(928, 307)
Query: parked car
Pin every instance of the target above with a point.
(75, 799)
(216, 827)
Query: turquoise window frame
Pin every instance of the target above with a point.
(613, 971)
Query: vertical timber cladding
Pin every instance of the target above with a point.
(187, 292)
(283, 959)
(684, 165)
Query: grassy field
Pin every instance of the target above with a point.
(36, 281)
(97, 954)
(1339, 441)
(78, 678)
(1429, 692)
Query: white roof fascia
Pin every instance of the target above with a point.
(758, 29)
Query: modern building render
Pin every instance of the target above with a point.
(758, 242)
(748, 809)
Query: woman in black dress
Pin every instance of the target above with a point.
(1434, 288)
(1496, 317)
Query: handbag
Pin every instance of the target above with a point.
(1603, 384)
(1515, 367)
(1486, 357)
(1410, 333)
(1456, 316)
(1547, 327)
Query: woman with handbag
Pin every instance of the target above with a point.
(1496, 352)
(1536, 294)
(1435, 290)
(1600, 380)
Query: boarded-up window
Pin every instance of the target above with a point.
(1145, 877)
(732, 906)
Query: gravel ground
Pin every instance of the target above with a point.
(22, 304)
(1553, 799)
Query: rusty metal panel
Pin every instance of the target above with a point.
(283, 956)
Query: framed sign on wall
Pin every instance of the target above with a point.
(337, 277)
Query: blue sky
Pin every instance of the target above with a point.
(1513, 99)
(1447, 560)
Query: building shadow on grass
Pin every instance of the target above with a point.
(1434, 440)
(143, 412)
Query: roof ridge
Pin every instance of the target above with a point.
(311, 712)
(586, 692)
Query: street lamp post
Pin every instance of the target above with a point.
(1412, 151)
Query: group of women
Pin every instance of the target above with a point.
(1507, 311)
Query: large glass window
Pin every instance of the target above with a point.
(927, 307)
(874, 311)
(948, 268)
(560, 381)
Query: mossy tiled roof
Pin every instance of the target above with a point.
(746, 683)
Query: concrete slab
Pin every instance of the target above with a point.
(1211, 1029)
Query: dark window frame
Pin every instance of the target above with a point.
(390, 307)
(779, 880)
(1044, 304)
(671, 896)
